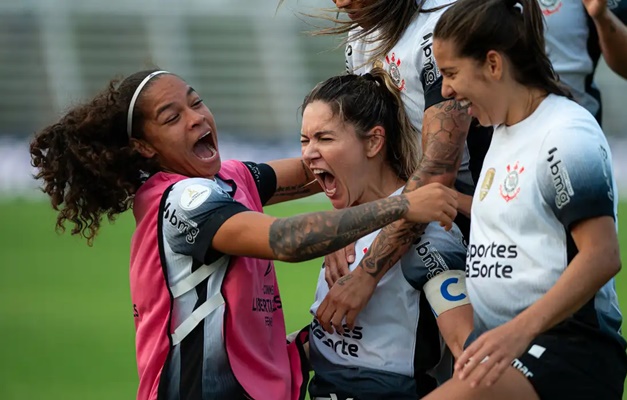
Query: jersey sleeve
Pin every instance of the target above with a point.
(193, 211)
(574, 174)
(430, 76)
(436, 251)
(265, 180)
(348, 56)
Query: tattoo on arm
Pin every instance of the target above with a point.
(288, 191)
(444, 137)
(342, 280)
(308, 236)
(389, 246)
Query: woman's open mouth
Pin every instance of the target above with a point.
(205, 148)
(326, 180)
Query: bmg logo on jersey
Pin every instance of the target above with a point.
(498, 266)
(183, 225)
(607, 172)
(561, 180)
(431, 258)
(430, 72)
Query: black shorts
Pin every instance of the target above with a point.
(573, 361)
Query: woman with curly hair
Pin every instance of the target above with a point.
(208, 316)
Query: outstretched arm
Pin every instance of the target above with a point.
(445, 126)
(612, 35)
(307, 236)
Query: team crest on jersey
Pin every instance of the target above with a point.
(487, 183)
(550, 6)
(510, 189)
(193, 196)
(393, 68)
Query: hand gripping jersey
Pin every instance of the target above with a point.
(572, 44)
(539, 177)
(395, 340)
(208, 325)
(411, 65)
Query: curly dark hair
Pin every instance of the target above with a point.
(87, 162)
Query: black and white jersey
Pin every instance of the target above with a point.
(412, 66)
(540, 176)
(395, 336)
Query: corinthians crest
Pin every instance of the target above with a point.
(392, 65)
(550, 6)
(510, 189)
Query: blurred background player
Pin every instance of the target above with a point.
(577, 34)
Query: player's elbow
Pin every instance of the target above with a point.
(611, 261)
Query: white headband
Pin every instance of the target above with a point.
(129, 121)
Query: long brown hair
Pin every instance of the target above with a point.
(390, 18)
(368, 100)
(512, 27)
(86, 162)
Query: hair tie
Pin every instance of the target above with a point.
(515, 4)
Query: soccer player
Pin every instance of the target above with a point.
(361, 146)
(577, 34)
(543, 245)
(208, 316)
(398, 37)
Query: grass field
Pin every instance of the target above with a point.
(65, 312)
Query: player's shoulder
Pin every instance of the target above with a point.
(567, 122)
(192, 192)
(438, 248)
(452, 239)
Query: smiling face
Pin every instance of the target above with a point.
(477, 86)
(179, 130)
(338, 157)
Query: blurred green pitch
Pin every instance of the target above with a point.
(66, 320)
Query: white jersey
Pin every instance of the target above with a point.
(540, 176)
(411, 65)
(395, 329)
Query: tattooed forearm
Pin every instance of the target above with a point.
(389, 246)
(307, 236)
(300, 186)
(445, 127)
(285, 191)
